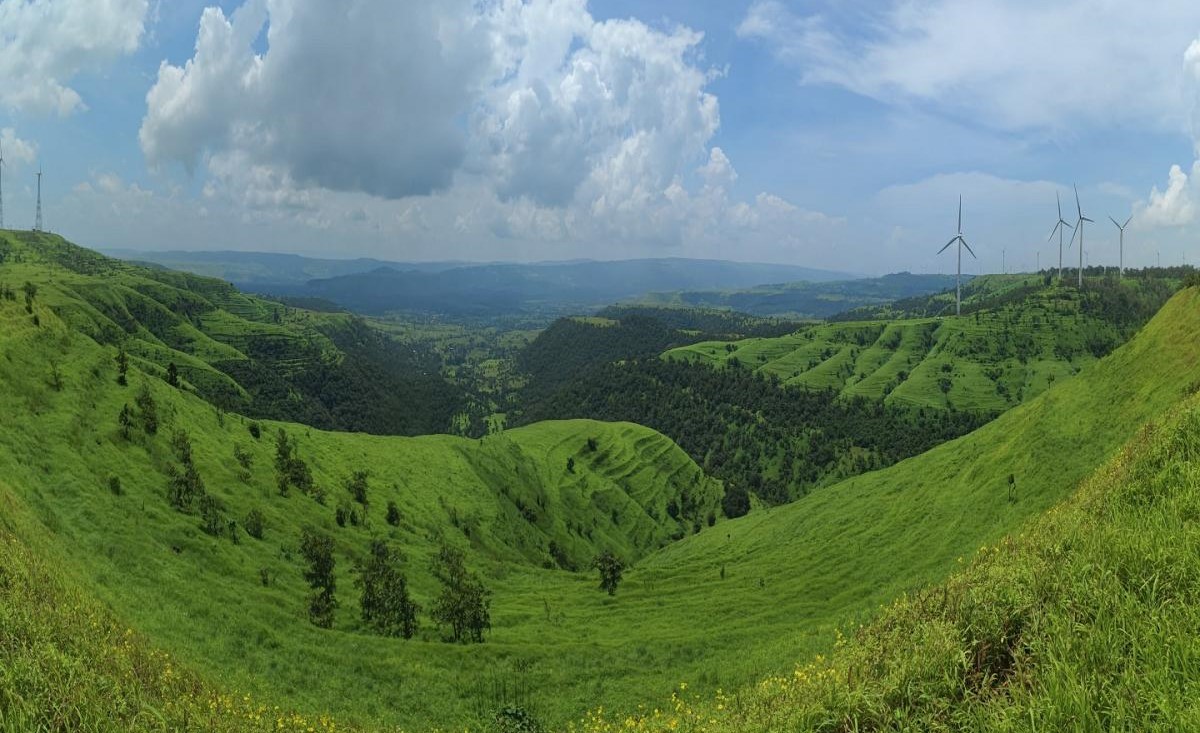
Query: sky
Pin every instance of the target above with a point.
(821, 133)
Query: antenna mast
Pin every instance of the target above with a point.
(1, 185)
(37, 222)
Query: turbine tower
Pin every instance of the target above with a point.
(1079, 231)
(958, 277)
(1121, 227)
(37, 221)
(1058, 229)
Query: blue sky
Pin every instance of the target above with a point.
(818, 133)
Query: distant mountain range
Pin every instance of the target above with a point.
(471, 289)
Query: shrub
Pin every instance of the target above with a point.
(114, 485)
(255, 524)
(393, 514)
(611, 569)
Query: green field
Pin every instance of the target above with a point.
(989, 360)
(716, 606)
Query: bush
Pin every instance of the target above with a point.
(611, 568)
(255, 523)
(114, 485)
(393, 514)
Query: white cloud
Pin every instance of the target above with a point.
(44, 43)
(366, 97)
(1012, 65)
(16, 150)
(527, 126)
(1173, 207)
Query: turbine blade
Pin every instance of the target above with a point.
(1068, 225)
(964, 242)
(960, 213)
(1084, 218)
(1054, 231)
(1127, 221)
(1077, 204)
(947, 244)
(1058, 201)
(1114, 221)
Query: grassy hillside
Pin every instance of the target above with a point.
(1083, 621)
(1023, 336)
(239, 352)
(718, 608)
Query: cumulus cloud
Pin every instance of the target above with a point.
(521, 122)
(1175, 206)
(1172, 207)
(1009, 65)
(366, 96)
(44, 43)
(16, 150)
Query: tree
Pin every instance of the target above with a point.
(317, 549)
(357, 486)
(570, 465)
(122, 367)
(464, 603)
(185, 486)
(736, 502)
(611, 568)
(125, 421)
(386, 604)
(290, 469)
(393, 514)
(254, 523)
(56, 378)
(172, 374)
(30, 291)
(147, 410)
(211, 519)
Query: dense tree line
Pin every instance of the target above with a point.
(715, 324)
(774, 441)
(378, 385)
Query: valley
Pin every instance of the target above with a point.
(713, 601)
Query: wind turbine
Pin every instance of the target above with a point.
(1121, 227)
(958, 277)
(1058, 229)
(1079, 231)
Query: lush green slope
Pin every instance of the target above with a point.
(1085, 621)
(719, 608)
(805, 299)
(1028, 335)
(241, 353)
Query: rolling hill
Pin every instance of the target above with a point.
(716, 606)
(1017, 337)
(239, 352)
(543, 289)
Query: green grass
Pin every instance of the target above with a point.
(988, 361)
(1084, 621)
(732, 604)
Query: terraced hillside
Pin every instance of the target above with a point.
(239, 352)
(1023, 337)
(719, 608)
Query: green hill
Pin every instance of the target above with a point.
(719, 607)
(1083, 621)
(241, 353)
(1019, 336)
